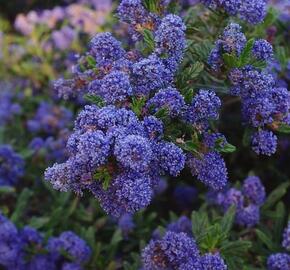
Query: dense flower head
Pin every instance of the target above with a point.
(264, 142)
(264, 105)
(132, 11)
(210, 169)
(170, 41)
(114, 87)
(153, 127)
(50, 119)
(183, 224)
(248, 216)
(263, 50)
(252, 12)
(286, 237)
(134, 152)
(128, 192)
(213, 140)
(247, 201)
(126, 224)
(149, 75)
(213, 261)
(254, 190)
(26, 249)
(10, 244)
(171, 252)
(70, 243)
(171, 158)
(11, 166)
(231, 41)
(278, 261)
(106, 49)
(204, 107)
(169, 99)
(8, 106)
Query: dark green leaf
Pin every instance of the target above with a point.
(230, 60)
(21, 205)
(283, 128)
(199, 223)
(266, 240)
(94, 99)
(228, 148)
(246, 53)
(228, 220)
(276, 195)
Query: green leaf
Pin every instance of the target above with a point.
(228, 220)
(266, 240)
(148, 40)
(151, 5)
(230, 60)
(38, 222)
(246, 53)
(102, 174)
(91, 61)
(194, 70)
(235, 248)
(162, 113)
(228, 148)
(200, 223)
(7, 190)
(190, 146)
(247, 137)
(276, 195)
(259, 64)
(21, 205)
(284, 128)
(94, 99)
(137, 105)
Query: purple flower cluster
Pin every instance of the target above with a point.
(247, 201)
(53, 148)
(177, 250)
(130, 151)
(252, 12)
(264, 105)
(118, 150)
(9, 107)
(278, 261)
(210, 169)
(11, 166)
(50, 119)
(126, 225)
(64, 23)
(115, 75)
(232, 41)
(26, 249)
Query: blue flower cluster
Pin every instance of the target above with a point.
(130, 151)
(52, 148)
(247, 201)
(9, 107)
(278, 261)
(49, 119)
(118, 149)
(252, 12)
(177, 249)
(11, 166)
(265, 107)
(25, 249)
